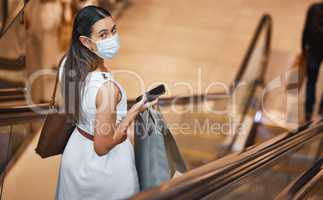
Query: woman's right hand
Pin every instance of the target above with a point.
(143, 104)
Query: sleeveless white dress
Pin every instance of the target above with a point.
(84, 175)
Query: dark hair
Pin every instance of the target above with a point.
(79, 59)
(318, 21)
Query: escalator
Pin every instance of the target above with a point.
(260, 168)
(259, 172)
(208, 127)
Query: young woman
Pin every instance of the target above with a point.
(98, 161)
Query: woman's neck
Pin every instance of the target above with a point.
(103, 68)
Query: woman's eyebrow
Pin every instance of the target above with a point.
(104, 30)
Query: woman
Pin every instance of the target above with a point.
(313, 49)
(98, 161)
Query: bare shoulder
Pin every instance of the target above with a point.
(108, 92)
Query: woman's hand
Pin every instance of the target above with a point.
(122, 134)
(137, 108)
(143, 104)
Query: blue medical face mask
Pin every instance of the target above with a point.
(109, 47)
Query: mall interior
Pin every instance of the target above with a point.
(238, 85)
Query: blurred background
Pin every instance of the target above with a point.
(162, 41)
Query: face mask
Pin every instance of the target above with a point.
(109, 47)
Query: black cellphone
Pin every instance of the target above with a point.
(153, 93)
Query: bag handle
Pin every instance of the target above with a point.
(52, 100)
(175, 160)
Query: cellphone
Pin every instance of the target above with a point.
(153, 93)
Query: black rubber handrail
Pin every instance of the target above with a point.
(307, 176)
(12, 91)
(23, 108)
(303, 183)
(23, 114)
(182, 100)
(12, 94)
(13, 63)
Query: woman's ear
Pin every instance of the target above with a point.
(87, 43)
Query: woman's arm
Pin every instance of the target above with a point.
(108, 134)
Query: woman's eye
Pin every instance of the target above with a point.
(104, 35)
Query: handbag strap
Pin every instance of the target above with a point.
(52, 100)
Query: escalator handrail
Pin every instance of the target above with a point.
(306, 177)
(220, 174)
(265, 24)
(23, 108)
(12, 91)
(12, 94)
(23, 114)
(9, 112)
(303, 181)
(13, 63)
(180, 100)
(4, 27)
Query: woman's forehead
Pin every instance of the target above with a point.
(106, 23)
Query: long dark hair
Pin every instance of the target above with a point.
(79, 59)
(318, 22)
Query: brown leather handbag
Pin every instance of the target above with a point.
(56, 130)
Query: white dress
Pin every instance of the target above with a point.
(84, 175)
